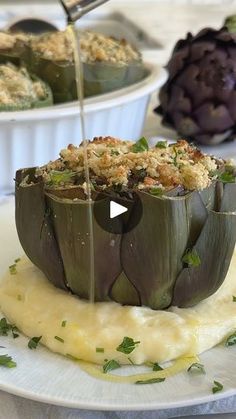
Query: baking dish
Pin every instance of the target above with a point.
(29, 138)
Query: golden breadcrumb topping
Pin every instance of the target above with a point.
(95, 47)
(17, 87)
(113, 162)
(98, 47)
(8, 40)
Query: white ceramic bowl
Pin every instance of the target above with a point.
(34, 137)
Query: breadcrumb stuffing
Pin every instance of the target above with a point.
(17, 87)
(113, 162)
(94, 47)
(8, 40)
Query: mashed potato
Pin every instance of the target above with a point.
(37, 308)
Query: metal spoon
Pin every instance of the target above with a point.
(77, 8)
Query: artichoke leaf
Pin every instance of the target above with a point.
(35, 229)
(124, 292)
(70, 219)
(152, 252)
(214, 247)
(60, 76)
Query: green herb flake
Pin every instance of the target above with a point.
(197, 367)
(234, 299)
(33, 343)
(6, 361)
(217, 387)
(17, 260)
(231, 340)
(73, 358)
(12, 269)
(59, 339)
(100, 350)
(127, 345)
(15, 333)
(228, 177)
(161, 144)
(156, 191)
(115, 153)
(151, 381)
(5, 327)
(110, 365)
(63, 323)
(58, 177)
(192, 259)
(156, 367)
(140, 146)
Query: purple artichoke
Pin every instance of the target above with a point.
(199, 97)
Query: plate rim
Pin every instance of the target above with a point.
(57, 401)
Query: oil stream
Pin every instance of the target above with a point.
(80, 94)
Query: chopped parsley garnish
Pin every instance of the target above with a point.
(231, 340)
(110, 365)
(192, 259)
(63, 323)
(217, 387)
(151, 381)
(33, 343)
(14, 332)
(197, 367)
(100, 350)
(73, 358)
(227, 177)
(140, 146)
(127, 345)
(12, 269)
(162, 144)
(115, 152)
(17, 260)
(59, 339)
(6, 328)
(156, 367)
(234, 299)
(6, 361)
(156, 191)
(57, 177)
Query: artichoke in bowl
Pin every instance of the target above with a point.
(199, 98)
(107, 64)
(179, 253)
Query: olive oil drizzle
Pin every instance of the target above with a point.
(80, 94)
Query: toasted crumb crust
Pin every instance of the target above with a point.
(94, 47)
(8, 40)
(113, 162)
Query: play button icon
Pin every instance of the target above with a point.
(117, 214)
(116, 209)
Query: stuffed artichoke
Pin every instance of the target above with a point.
(20, 90)
(199, 98)
(180, 251)
(108, 64)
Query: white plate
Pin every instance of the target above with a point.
(46, 377)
